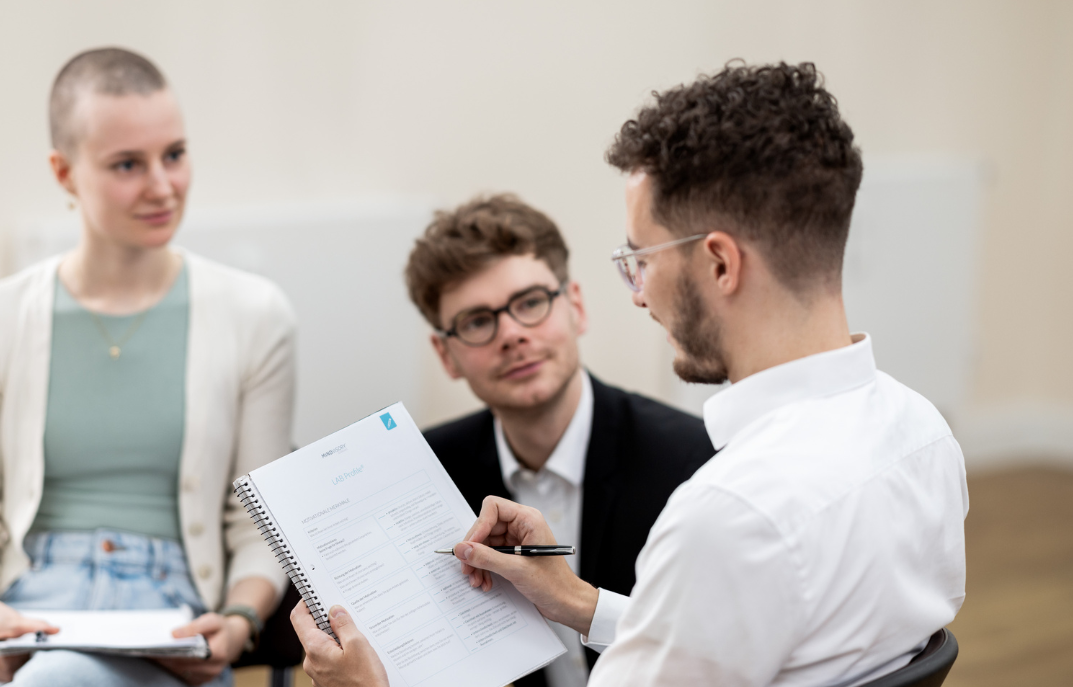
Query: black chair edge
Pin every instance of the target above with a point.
(929, 668)
(279, 647)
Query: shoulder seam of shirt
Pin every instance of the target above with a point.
(908, 454)
(791, 542)
(841, 496)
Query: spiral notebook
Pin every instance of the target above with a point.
(354, 519)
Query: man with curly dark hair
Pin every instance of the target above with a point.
(825, 542)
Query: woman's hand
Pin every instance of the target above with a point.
(226, 636)
(351, 663)
(15, 624)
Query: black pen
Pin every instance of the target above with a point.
(555, 550)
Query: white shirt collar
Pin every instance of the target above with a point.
(822, 374)
(568, 458)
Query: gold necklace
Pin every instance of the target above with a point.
(115, 347)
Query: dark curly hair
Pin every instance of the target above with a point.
(461, 242)
(761, 146)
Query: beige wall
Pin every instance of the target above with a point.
(444, 99)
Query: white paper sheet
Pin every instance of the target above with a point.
(363, 509)
(130, 633)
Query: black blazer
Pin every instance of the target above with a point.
(639, 451)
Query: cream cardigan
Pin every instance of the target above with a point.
(240, 376)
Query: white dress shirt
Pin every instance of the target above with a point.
(555, 490)
(822, 546)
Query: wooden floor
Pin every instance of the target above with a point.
(259, 677)
(1016, 627)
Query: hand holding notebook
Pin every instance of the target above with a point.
(355, 520)
(15, 624)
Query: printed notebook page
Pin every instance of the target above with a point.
(362, 510)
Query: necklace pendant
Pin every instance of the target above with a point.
(114, 352)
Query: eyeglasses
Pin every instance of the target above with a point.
(633, 273)
(479, 326)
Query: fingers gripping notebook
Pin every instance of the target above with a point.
(354, 519)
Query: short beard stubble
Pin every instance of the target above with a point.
(699, 336)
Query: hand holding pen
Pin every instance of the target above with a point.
(546, 580)
(536, 550)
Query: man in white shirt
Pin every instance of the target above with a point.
(826, 544)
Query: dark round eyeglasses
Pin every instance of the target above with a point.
(478, 327)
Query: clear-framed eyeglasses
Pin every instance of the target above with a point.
(632, 270)
(478, 327)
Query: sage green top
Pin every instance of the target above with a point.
(114, 425)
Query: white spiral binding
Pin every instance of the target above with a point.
(272, 534)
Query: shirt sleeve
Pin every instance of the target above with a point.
(610, 606)
(718, 599)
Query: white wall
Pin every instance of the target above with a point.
(341, 100)
(910, 277)
(360, 342)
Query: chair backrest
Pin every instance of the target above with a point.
(279, 646)
(928, 668)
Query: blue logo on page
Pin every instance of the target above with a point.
(388, 421)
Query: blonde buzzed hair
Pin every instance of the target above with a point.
(107, 71)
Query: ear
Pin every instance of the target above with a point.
(577, 308)
(61, 169)
(723, 255)
(439, 344)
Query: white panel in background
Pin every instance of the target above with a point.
(910, 272)
(909, 277)
(341, 265)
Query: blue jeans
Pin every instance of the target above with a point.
(101, 570)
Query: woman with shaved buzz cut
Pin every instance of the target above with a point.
(137, 381)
